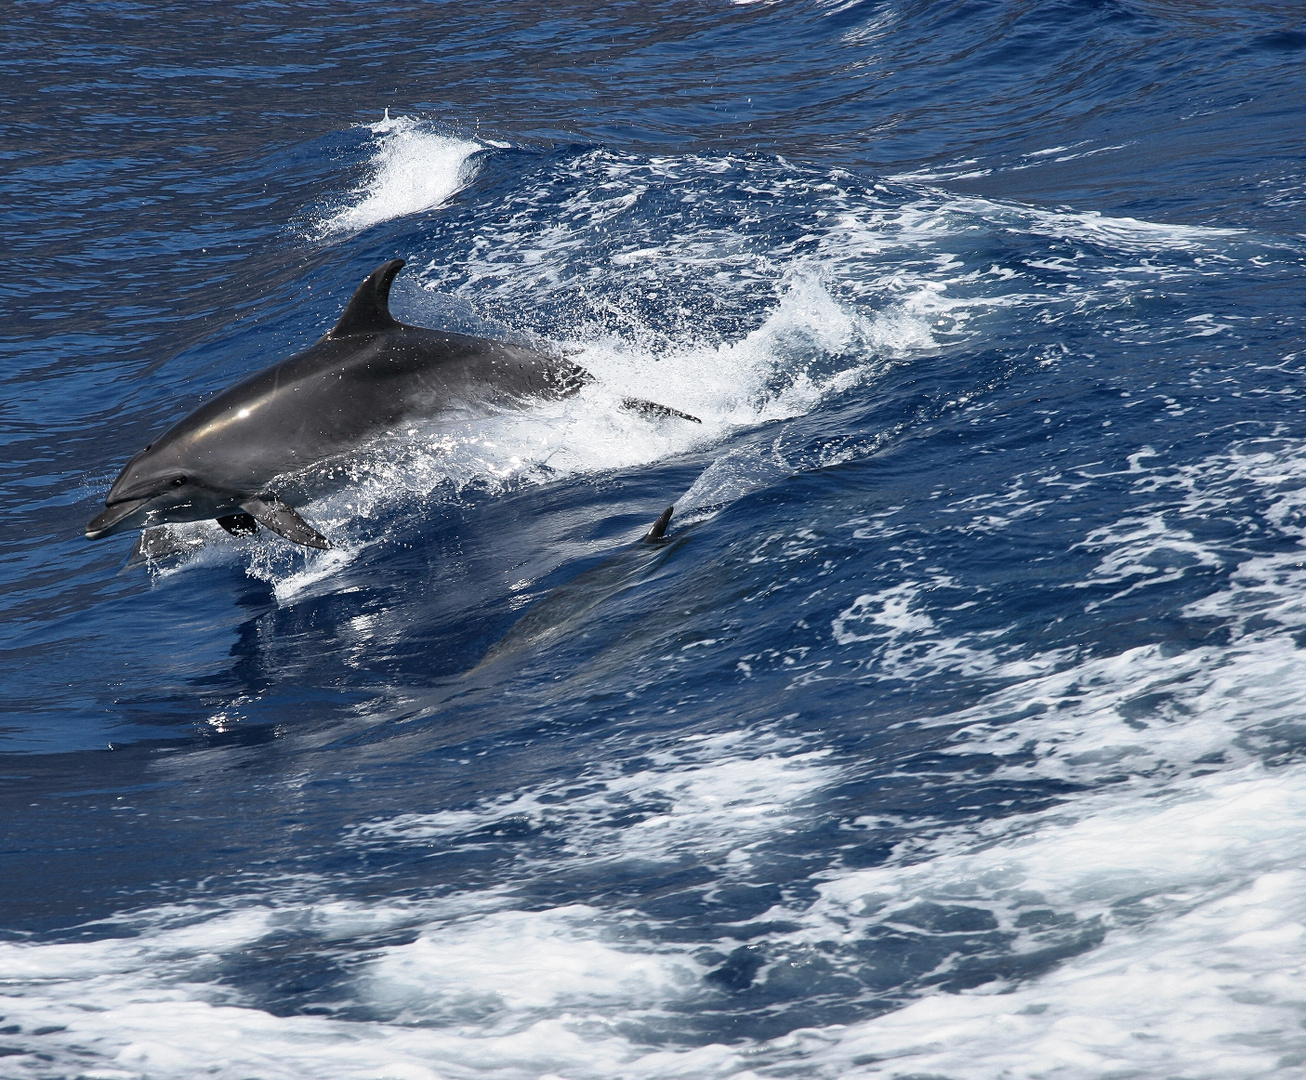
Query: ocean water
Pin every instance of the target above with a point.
(959, 729)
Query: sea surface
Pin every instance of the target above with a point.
(957, 731)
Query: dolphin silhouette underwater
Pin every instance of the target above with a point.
(566, 608)
(235, 457)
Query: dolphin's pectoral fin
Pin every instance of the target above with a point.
(658, 529)
(239, 524)
(652, 408)
(273, 514)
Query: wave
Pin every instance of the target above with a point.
(412, 169)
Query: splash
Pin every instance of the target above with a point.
(412, 169)
(809, 348)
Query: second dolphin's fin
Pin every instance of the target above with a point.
(652, 408)
(368, 310)
(273, 514)
(658, 529)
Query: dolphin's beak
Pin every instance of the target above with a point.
(119, 511)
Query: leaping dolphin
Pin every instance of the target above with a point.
(371, 373)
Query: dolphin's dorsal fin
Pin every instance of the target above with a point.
(368, 310)
(659, 529)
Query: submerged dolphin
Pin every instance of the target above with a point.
(230, 458)
(565, 609)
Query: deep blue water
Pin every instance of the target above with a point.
(958, 730)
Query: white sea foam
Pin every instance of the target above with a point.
(412, 169)
(1146, 713)
(712, 796)
(482, 988)
(558, 962)
(319, 569)
(1182, 853)
(1202, 897)
(128, 1013)
(1197, 891)
(767, 374)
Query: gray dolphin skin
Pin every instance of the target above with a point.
(231, 458)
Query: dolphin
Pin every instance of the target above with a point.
(235, 457)
(565, 609)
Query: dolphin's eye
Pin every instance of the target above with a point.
(179, 481)
(148, 446)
